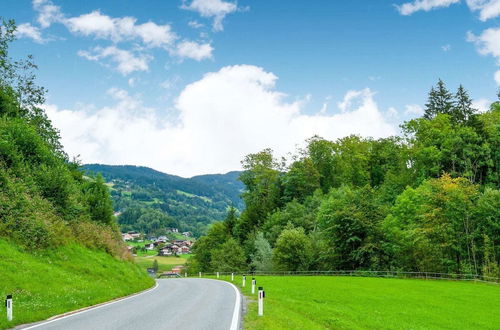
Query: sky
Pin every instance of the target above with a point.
(190, 87)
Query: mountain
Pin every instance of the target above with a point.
(149, 201)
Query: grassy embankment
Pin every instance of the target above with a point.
(371, 303)
(50, 282)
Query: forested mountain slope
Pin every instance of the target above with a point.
(150, 201)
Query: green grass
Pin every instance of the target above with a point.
(301, 302)
(164, 263)
(61, 280)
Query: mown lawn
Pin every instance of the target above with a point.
(164, 263)
(61, 280)
(302, 302)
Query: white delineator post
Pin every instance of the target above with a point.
(217, 274)
(199, 274)
(8, 306)
(262, 295)
(253, 285)
(244, 281)
(232, 276)
(185, 274)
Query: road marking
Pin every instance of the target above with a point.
(92, 308)
(237, 309)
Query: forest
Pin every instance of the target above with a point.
(425, 200)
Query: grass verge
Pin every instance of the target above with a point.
(327, 302)
(56, 281)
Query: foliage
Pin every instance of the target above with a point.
(427, 200)
(293, 250)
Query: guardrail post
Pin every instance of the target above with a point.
(253, 285)
(244, 280)
(8, 306)
(262, 295)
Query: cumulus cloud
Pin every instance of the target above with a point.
(216, 9)
(487, 9)
(409, 8)
(48, 13)
(193, 50)
(26, 30)
(119, 29)
(221, 118)
(126, 62)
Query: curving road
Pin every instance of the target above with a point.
(184, 303)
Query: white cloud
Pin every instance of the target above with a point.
(120, 29)
(193, 50)
(487, 8)
(26, 30)
(222, 117)
(392, 113)
(217, 9)
(409, 8)
(48, 13)
(126, 61)
(482, 105)
(487, 43)
(414, 110)
(497, 77)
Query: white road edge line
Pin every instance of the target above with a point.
(237, 309)
(93, 308)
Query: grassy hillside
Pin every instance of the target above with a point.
(190, 203)
(62, 279)
(302, 302)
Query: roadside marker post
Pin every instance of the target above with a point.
(199, 274)
(217, 274)
(8, 305)
(232, 277)
(185, 274)
(262, 295)
(253, 285)
(244, 280)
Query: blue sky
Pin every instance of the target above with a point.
(172, 84)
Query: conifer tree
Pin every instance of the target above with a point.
(440, 101)
(463, 109)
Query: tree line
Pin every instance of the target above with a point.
(426, 200)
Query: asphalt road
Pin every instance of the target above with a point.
(184, 303)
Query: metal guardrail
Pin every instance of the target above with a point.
(371, 273)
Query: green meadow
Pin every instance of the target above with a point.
(164, 263)
(50, 282)
(328, 302)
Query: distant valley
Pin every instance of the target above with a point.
(150, 201)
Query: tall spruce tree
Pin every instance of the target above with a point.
(463, 109)
(440, 101)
